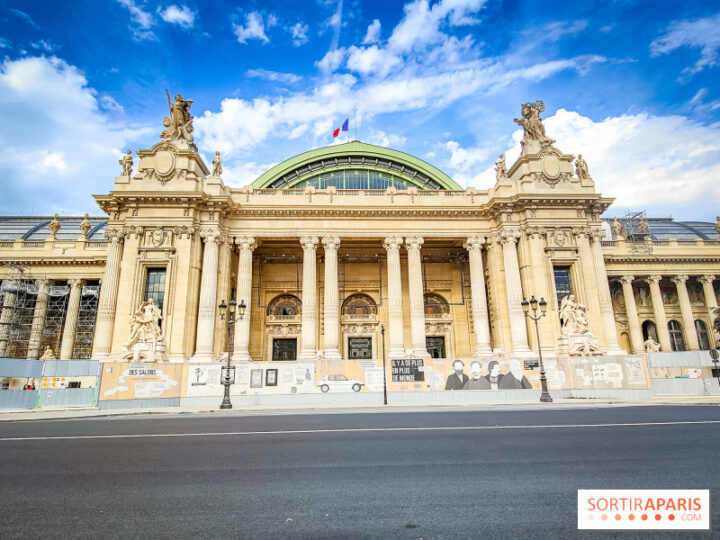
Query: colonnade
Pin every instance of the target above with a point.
(658, 306)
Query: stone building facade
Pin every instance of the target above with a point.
(341, 248)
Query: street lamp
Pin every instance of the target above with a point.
(382, 332)
(228, 371)
(533, 304)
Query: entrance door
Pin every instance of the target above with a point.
(360, 348)
(284, 349)
(435, 346)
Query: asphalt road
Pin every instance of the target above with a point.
(425, 474)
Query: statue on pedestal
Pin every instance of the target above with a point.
(576, 338)
(651, 346)
(54, 226)
(619, 230)
(179, 123)
(146, 341)
(85, 225)
(534, 130)
(500, 170)
(217, 165)
(581, 168)
(48, 354)
(127, 163)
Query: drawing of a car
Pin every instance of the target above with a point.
(340, 383)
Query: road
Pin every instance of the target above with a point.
(422, 474)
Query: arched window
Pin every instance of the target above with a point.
(435, 304)
(702, 334)
(285, 304)
(650, 331)
(359, 304)
(676, 336)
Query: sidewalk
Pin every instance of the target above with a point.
(572, 403)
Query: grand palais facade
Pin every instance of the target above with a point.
(340, 250)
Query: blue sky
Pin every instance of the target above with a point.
(631, 85)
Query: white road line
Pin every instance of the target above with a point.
(352, 430)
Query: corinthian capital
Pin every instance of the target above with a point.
(246, 243)
(331, 242)
(309, 242)
(42, 283)
(627, 279)
(474, 243)
(509, 236)
(707, 279)
(392, 242)
(653, 279)
(75, 282)
(413, 242)
(677, 280)
(212, 235)
(114, 234)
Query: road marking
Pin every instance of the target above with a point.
(353, 430)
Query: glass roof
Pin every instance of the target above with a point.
(359, 179)
(35, 228)
(668, 228)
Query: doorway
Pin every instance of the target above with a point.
(284, 349)
(435, 346)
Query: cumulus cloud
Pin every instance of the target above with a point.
(299, 34)
(371, 60)
(287, 78)
(55, 135)
(183, 16)
(254, 28)
(647, 162)
(143, 20)
(381, 138)
(373, 33)
(701, 34)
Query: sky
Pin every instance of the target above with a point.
(631, 85)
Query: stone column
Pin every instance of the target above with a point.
(549, 326)
(38, 323)
(71, 319)
(241, 346)
(309, 297)
(208, 296)
(108, 295)
(7, 315)
(395, 312)
(513, 285)
(710, 298)
(604, 299)
(636, 337)
(591, 292)
(481, 319)
(687, 315)
(332, 308)
(417, 297)
(659, 312)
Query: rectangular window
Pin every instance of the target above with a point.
(563, 286)
(155, 286)
(360, 348)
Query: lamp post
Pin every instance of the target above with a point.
(228, 371)
(382, 332)
(527, 306)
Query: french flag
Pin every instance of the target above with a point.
(344, 127)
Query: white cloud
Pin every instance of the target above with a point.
(299, 33)
(254, 28)
(332, 60)
(371, 61)
(373, 33)
(56, 135)
(183, 16)
(699, 33)
(44, 45)
(142, 18)
(287, 78)
(554, 31)
(381, 138)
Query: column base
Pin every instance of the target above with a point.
(332, 354)
(202, 358)
(176, 359)
(397, 353)
(523, 351)
(308, 354)
(483, 354)
(240, 356)
(421, 353)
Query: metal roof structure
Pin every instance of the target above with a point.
(666, 228)
(36, 227)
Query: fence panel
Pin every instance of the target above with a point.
(17, 399)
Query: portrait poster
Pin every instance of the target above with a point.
(271, 377)
(256, 378)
